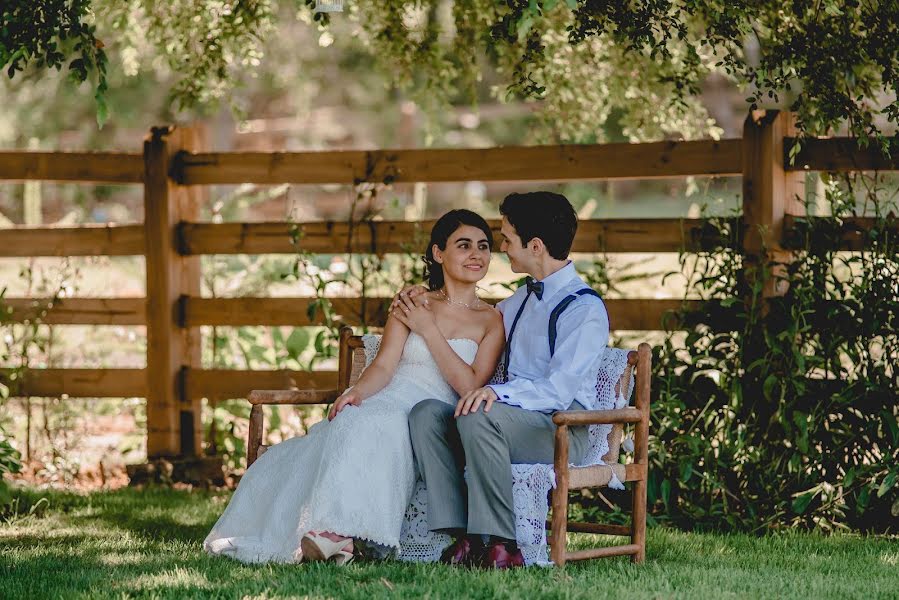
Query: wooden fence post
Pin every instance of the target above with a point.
(769, 192)
(173, 417)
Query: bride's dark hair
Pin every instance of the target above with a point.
(440, 233)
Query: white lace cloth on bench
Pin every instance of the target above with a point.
(531, 483)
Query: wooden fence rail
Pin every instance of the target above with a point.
(379, 237)
(175, 168)
(839, 155)
(632, 314)
(86, 167)
(531, 163)
(83, 240)
(194, 383)
(79, 311)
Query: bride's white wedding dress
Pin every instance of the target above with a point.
(354, 475)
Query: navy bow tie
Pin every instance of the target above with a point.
(535, 286)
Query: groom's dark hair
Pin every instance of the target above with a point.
(543, 215)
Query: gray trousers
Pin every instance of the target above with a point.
(488, 444)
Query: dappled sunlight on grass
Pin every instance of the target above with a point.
(133, 543)
(119, 559)
(188, 579)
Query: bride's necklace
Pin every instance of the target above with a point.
(457, 303)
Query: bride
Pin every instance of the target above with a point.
(352, 475)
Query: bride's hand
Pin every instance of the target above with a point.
(470, 402)
(417, 317)
(348, 397)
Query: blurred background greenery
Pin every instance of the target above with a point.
(266, 75)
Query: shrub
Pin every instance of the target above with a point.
(782, 412)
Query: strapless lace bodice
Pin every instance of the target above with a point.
(417, 368)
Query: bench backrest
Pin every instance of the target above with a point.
(352, 361)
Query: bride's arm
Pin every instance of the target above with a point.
(379, 373)
(459, 374)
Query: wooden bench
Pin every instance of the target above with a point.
(351, 363)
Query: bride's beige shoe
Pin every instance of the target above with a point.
(318, 547)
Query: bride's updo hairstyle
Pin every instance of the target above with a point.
(440, 234)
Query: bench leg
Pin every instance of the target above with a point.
(638, 520)
(254, 438)
(560, 498)
(641, 454)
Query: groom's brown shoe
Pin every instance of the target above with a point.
(458, 553)
(502, 555)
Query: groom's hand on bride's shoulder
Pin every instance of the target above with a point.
(413, 292)
(342, 402)
(471, 401)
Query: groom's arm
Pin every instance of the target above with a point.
(582, 334)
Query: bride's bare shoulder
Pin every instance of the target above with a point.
(491, 315)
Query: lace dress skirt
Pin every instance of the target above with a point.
(353, 476)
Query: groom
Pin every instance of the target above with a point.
(494, 426)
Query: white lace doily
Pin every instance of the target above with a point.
(531, 483)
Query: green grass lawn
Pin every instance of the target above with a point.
(132, 543)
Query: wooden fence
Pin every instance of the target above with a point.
(174, 169)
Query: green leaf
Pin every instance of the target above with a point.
(801, 502)
(801, 421)
(257, 352)
(890, 424)
(888, 482)
(849, 477)
(686, 471)
(297, 342)
(863, 498)
(768, 386)
(311, 310)
(6, 497)
(666, 491)
(795, 149)
(524, 26)
(277, 337)
(102, 110)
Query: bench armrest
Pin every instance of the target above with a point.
(292, 396)
(597, 417)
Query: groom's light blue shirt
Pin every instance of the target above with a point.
(536, 380)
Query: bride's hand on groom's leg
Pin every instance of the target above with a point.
(471, 401)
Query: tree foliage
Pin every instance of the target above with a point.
(208, 44)
(50, 33)
(834, 63)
